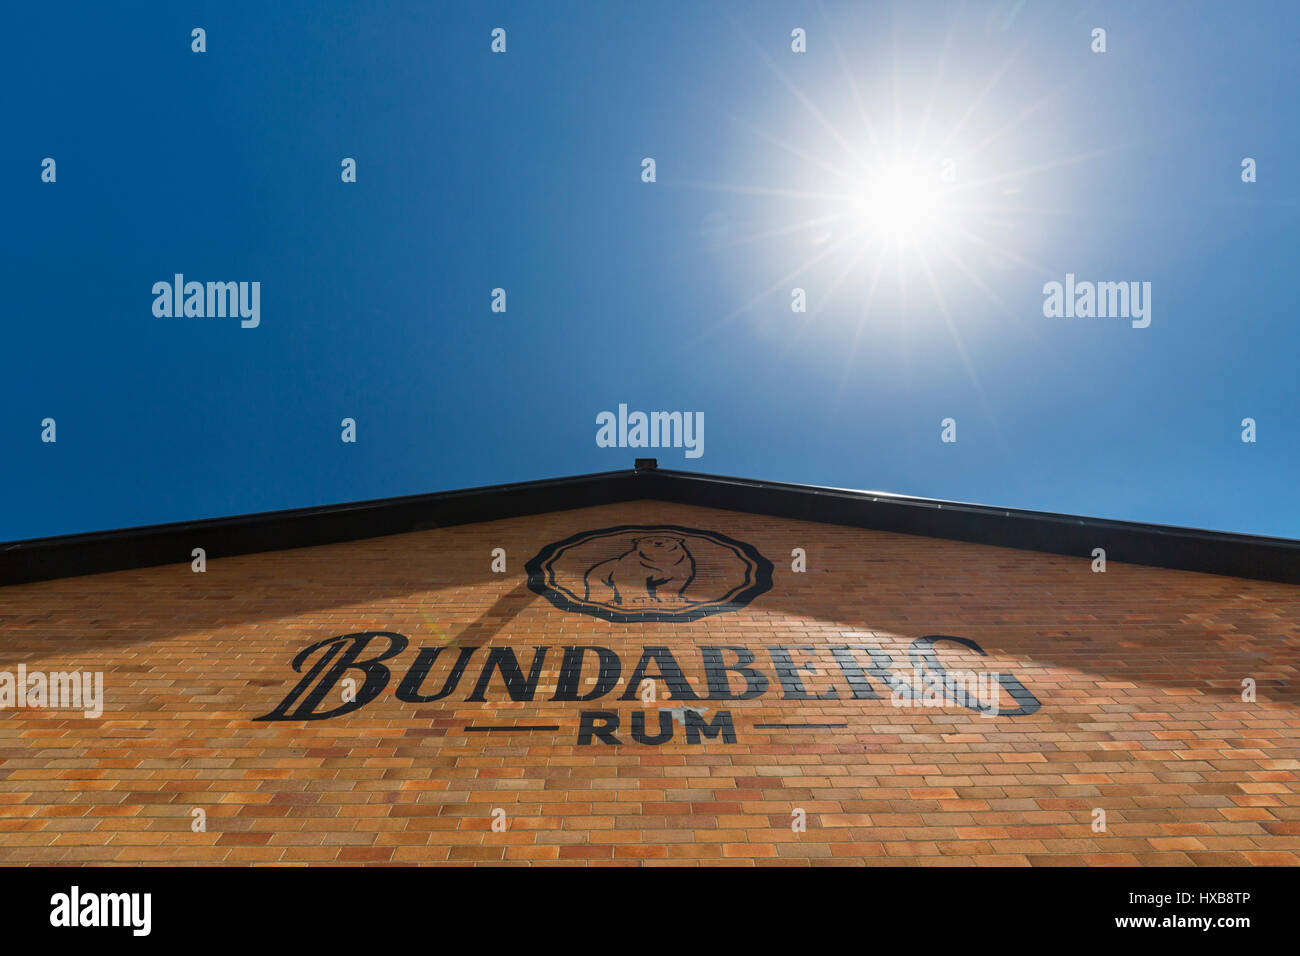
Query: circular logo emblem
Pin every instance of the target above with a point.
(658, 572)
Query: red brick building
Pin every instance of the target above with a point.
(654, 667)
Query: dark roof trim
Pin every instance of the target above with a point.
(1131, 542)
(43, 558)
(1244, 556)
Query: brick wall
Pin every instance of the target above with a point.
(1138, 672)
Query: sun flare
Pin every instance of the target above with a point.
(900, 205)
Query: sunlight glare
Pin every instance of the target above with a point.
(899, 205)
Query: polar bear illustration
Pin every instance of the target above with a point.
(654, 564)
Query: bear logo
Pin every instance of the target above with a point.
(635, 573)
(651, 565)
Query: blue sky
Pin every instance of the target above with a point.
(523, 171)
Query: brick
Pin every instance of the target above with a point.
(1138, 673)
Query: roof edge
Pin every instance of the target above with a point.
(1184, 549)
(1128, 542)
(41, 559)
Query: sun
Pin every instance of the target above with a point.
(892, 189)
(900, 205)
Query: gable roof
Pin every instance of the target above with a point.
(1186, 549)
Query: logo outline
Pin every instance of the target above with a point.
(541, 577)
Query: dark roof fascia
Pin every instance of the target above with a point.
(40, 559)
(1164, 546)
(1185, 549)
